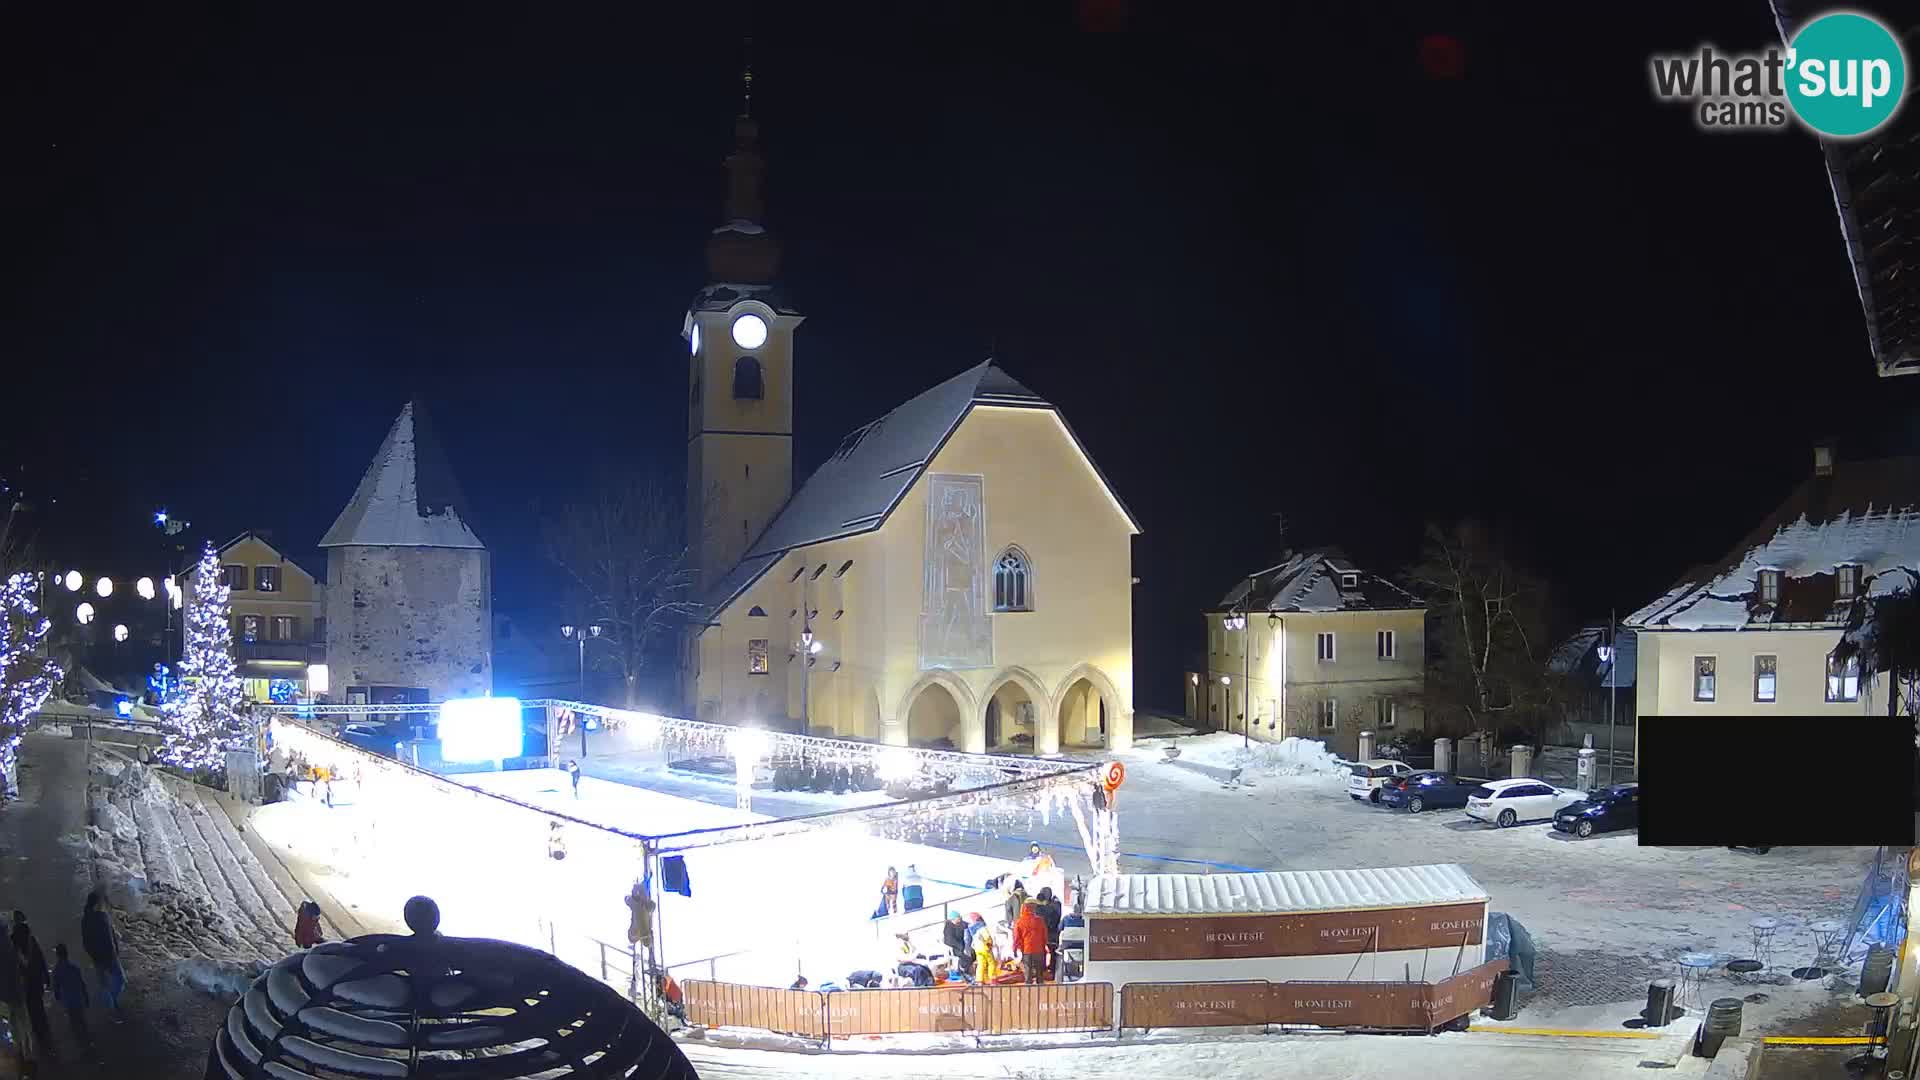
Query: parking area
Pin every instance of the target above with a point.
(1607, 915)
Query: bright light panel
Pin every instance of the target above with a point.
(316, 678)
(480, 729)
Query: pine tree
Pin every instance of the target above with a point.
(209, 714)
(26, 677)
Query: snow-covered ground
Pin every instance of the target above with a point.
(1317, 1057)
(173, 864)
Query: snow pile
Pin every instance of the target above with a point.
(187, 887)
(221, 978)
(1223, 750)
(1297, 757)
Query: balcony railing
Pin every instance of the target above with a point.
(305, 652)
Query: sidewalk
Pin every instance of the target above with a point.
(164, 1030)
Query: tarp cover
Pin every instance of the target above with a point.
(1282, 891)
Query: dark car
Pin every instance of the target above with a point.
(1616, 807)
(1427, 790)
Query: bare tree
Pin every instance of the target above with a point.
(1883, 636)
(628, 567)
(1488, 626)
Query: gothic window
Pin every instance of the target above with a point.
(1012, 581)
(746, 379)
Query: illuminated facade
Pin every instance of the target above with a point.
(958, 573)
(278, 616)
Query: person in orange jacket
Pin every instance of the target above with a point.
(1030, 941)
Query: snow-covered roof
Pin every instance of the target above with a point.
(720, 297)
(1310, 582)
(859, 485)
(1580, 655)
(1866, 514)
(1281, 892)
(408, 498)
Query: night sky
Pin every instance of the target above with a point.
(1297, 266)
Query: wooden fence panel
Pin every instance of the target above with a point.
(1006, 1010)
(1201, 1004)
(1350, 1004)
(900, 1012)
(789, 1012)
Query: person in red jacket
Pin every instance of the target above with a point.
(1030, 941)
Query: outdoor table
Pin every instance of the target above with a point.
(1879, 1028)
(1764, 928)
(1826, 935)
(1693, 972)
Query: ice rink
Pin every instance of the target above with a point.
(758, 912)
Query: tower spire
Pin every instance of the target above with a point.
(746, 82)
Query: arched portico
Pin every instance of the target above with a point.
(1017, 712)
(1089, 713)
(939, 706)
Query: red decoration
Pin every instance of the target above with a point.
(1113, 776)
(1442, 56)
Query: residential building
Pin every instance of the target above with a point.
(1755, 632)
(409, 601)
(958, 573)
(1598, 663)
(1316, 647)
(277, 610)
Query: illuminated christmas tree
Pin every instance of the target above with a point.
(209, 714)
(27, 678)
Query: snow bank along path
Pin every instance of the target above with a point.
(170, 858)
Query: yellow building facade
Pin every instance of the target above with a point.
(1324, 651)
(986, 606)
(275, 608)
(958, 573)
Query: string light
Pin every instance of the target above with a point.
(27, 678)
(209, 714)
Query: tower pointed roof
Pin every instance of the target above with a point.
(408, 498)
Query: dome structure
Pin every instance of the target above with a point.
(423, 1005)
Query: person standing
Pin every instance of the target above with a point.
(1050, 912)
(96, 937)
(573, 774)
(986, 964)
(70, 990)
(1016, 902)
(955, 936)
(13, 993)
(34, 978)
(1030, 941)
(912, 890)
(890, 892)
(306, 928)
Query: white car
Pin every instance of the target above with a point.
(1509, 802)
(1370, 776)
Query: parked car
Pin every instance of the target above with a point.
(1369, 776)
(1616, 807)
(1426, 790)
(1507, 803)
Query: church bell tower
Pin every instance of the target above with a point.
(739, 335)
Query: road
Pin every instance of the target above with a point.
(163, 1031)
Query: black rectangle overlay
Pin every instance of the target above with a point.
(1801, 781)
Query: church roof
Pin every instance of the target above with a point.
(408, 498)
(875, 466)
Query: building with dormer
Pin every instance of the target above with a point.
(1755, 632)
(1316, 647)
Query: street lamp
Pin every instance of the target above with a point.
(580, 634)
(1607, 653)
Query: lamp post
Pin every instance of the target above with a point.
(580, 634)
(1227, 682)
(1607, 654)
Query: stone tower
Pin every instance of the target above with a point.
(409, 586)
(739, 333)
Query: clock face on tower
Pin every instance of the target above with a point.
(693, 340)
(749, 331)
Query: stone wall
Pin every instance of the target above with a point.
(410, 616)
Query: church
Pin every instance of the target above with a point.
(958, 573)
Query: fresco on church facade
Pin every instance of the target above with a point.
(955, 631)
